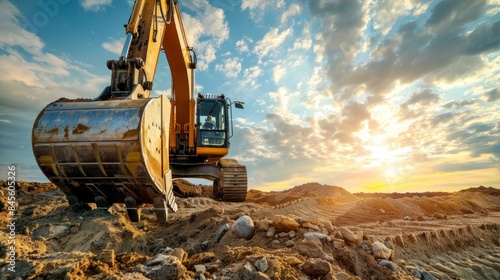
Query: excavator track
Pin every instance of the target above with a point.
(233, 183)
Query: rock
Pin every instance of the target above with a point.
(348, 235)
(180, 254)
(338, 244)
(271, 232)
(290, 243)
(316, 267)
(247, 272)
(382, 211)
(282, 234)
(263, 225)
(390, 265)
(158, 259)
(314, 236)
(380, 251)
(200, 268)
(309, 248)
(262, 264)
(285, 224)
(243, 227)
(328, 226)
(163, 267)
(327, 257)
(107, 256)
(310, 226)
(221, 231)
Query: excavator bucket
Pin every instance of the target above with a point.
(107, 152)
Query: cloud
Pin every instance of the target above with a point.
(205, 31)
(385, 13)
(258, 7)
(114, 46)
(95, 5)
(231, 67)
(438, 50)
(254, 4)
(492, 95)
(242, 46)
(278, 73)
(303, 42)
(292, 11)
(250, 76)
(271, 41)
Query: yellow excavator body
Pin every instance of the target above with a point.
(126, 147)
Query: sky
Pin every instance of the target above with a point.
(392, 96)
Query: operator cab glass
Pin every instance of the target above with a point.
(212, 122)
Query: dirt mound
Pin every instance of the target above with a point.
(312, 231)
(324, 194)
(324, 191)
(482, 189)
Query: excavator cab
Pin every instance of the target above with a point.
(213, 122)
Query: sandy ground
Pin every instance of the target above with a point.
(311, 231)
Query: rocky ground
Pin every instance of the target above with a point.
(311, 231)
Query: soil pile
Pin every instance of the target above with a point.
(312, 231)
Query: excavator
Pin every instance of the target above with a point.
(127, 147)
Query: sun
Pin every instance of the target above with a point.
(390, 173)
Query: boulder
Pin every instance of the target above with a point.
(243, 227)
(271, 232)
(390, 265)
(162, 267)
(315, 236)
(380, 251)
(316, 267)
(200, 268)
(309, 248)
(285, 224)
(247, 272)
(262, 264)
(348, 235)
(263, 225)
